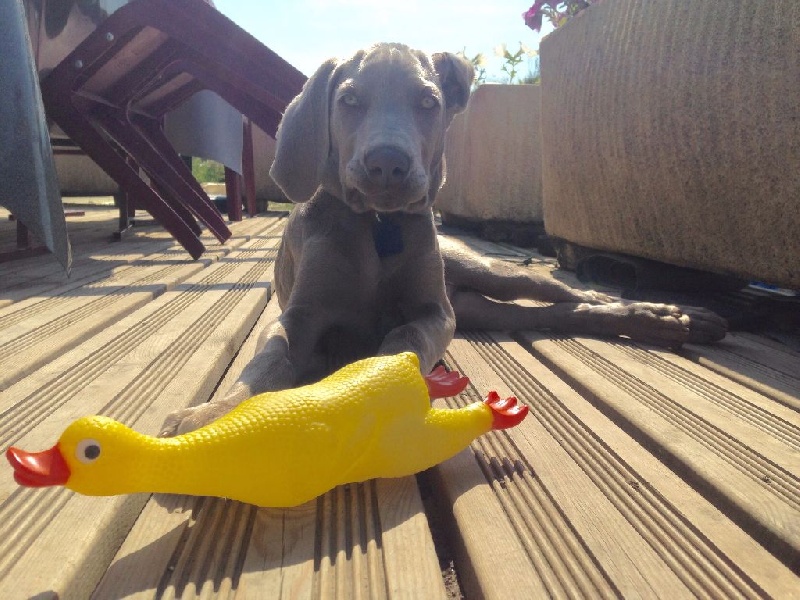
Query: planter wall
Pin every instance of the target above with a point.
(493, 155)
(263, 155)
(671, 131)
(79, 175)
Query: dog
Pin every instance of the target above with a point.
(361, 271)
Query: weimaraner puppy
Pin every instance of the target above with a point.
(361, 271)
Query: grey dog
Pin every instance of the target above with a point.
(361, 270)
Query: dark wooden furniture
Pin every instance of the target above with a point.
(110, 93)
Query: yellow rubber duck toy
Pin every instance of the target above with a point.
(370, 419)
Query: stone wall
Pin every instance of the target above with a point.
(493, 155)
(671, 131)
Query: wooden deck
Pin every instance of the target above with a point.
(639, 473)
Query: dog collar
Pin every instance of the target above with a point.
(387, 235)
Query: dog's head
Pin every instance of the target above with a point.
(370, 130)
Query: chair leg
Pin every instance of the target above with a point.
(179, 209)
(83, 133)
(132, 144)
(183, 212)
(25, 247)
(233, 190)
(178, 176)
(248, 167)
(126, 204)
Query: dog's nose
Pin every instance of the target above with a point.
(387, 166)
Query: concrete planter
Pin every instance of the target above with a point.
(493, 155)
(263, 155)
(79, 175)
(671, 131)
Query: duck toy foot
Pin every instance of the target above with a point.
(443, 383)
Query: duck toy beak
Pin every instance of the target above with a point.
(38, 469)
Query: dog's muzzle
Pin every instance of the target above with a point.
(386, 180)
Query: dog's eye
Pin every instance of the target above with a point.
(429, 102)
(349, 99)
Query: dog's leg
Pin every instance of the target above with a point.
(658, 324)
(428, 322)
(464, 269)
(473, 279)
(273, 368)
(269, 369)
(288, 353)
(427, 335)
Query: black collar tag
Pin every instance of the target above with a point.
(387, 234)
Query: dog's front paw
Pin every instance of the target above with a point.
(189, 419)
(705, 326)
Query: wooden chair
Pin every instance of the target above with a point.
(110, 93)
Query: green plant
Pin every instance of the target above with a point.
(557, 12)
(513, 60)
(207, 171)
(511, 64)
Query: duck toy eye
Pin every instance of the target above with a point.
(87, 451)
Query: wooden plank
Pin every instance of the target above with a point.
(31, 283)
(409, 558)
(597, 513)
(94, 254)
(170, 352)
(280, 556)
(551, 543)
(760, 484)
(767, 426)
(34, 331)
(92, 250)
(492, 560)
(175, 513)
(752, 361)
(592, 496)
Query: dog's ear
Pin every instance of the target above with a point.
(455, 77)
(303, 138)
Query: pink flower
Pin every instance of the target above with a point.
(557, 12)
(533, 16)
